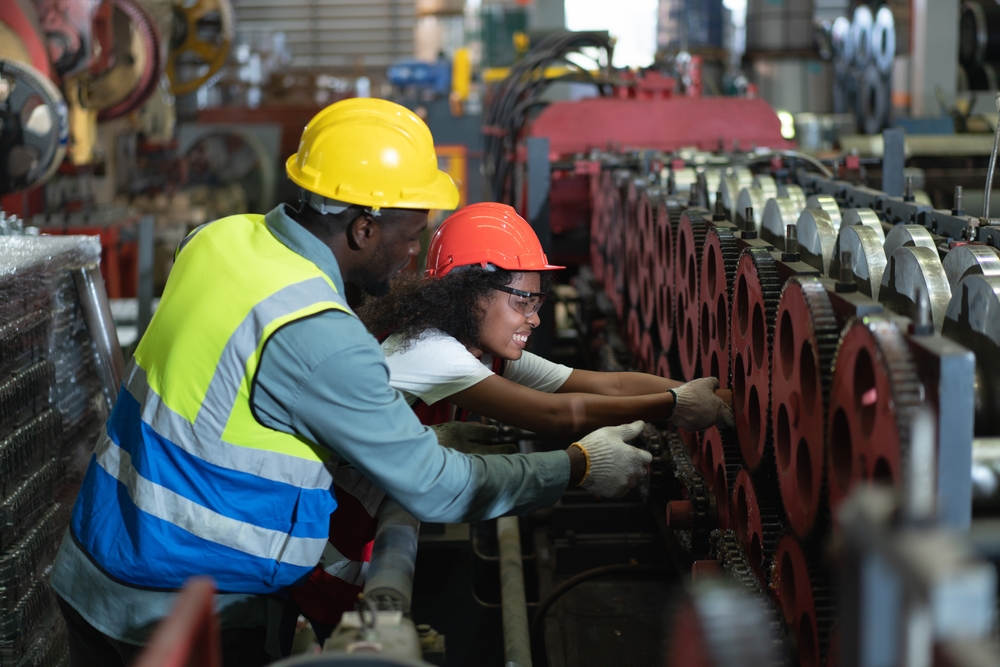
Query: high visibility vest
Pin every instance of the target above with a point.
(184, 480)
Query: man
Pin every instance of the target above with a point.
(255, 383)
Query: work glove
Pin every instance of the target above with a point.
(470, 438)
(613, 467)
(697, 407)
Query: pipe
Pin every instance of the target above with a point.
(101, 326)
(516, 641)
(389, 583)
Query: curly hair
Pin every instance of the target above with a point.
(454, 304)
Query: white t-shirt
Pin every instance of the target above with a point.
(436, 366)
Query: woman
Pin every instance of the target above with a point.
(458, 337)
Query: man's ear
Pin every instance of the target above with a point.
(362, 232)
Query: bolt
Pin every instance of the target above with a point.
(720, 211)
(908, 193)
(791, 240)
(748, 223)
(956, 208)
(845, 282)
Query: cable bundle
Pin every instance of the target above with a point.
(519, 95)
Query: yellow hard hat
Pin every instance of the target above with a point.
(373, 153)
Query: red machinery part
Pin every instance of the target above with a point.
(648, 210)
(720, 464)
(633, 332)
(718, 271)
(690, 242)
(663, 365)
(67, 26)
(754, 516)
(601, 207)
(152, 63)
(614, 247)
(805, 600)
(755, 303)
(633, 240)
(805, 338)
(693, 651)
(874, 392)
(663, 275)
(647, 353)
(20, 17)
(659, 124)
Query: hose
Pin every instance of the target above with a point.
(544, 605)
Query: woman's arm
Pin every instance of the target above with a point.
(616, 384)
(563, 413)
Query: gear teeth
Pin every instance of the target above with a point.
(732, 461)
(728, 250)
(690, 363)
(765, 504)
(824, 340)
(697, 491)
(766, 270)
(726, 548)
(824, 607)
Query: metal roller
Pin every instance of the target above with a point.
(868, 259)
(883, 40)
(34, 128)
(908, 235)
(866, 217)
(730, 188)
(973, 320)
(751, 197)
(861, 35)
(914, 274)
(767, 185)
(979, 33)
(779, 212)
(828, 204)
(817, 238)
(843, 45)
(793, 192)
(743, 176)
(709, 182)
(966, 260)
(874, 103)
(681, 180)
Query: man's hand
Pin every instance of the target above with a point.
(614, 466)
(699, 406)
(470, 438)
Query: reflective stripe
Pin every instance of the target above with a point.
(353, 482)
(337, 565)
(224, 387)
(201, 521)
(269, 465)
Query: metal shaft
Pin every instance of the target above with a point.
(993, 163)
(516, 639)
(390, 575)
(103, 337)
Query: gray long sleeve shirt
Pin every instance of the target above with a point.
(325, 378)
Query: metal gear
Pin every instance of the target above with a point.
(135, 74)
(721, 461)
(805, 598)
(690, 242)
(649, 204)
(874, 391)
(202, 33)
(34, 128)
(726, 548)
(668, 217)
(755, 305)
(633, 238)
(805, 335)
(755, 510)
(702, 521)
(719, 259)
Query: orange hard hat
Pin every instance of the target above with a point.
(486, 233)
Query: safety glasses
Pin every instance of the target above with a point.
(526, 303)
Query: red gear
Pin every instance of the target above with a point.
(486, 233)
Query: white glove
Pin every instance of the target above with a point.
(613, 467)
(696, 406)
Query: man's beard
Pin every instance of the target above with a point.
(376, 288)
(374, 280)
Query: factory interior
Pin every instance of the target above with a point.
(736, 261)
